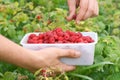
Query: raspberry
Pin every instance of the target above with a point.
(60, 42)
(60, 33)
(50, 34)
(40, 41)
(51, 40)
(74, 17)
(30, 41)
(57, 30)
(46, 38)
(35, 41)
(35, 38)
(45, 41)
(72, 39)
(85, 41)
(71, 33)
(66, 36)
(59, 36)
(65, 41)
(84, 38)
(41, 36)
(79, 40)
(43, 71)
(90, 40)
(55, 36)
(31, 36)
(38, 17)
(79, 34)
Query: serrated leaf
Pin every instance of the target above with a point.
(9, 76)
(99, 48)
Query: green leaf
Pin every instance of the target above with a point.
(99, 48)
(82, 76)
(114, 76)
(98, 64)
(1, 75)
(9, 76)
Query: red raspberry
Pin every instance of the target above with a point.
(40, 41)
(72, 33)
(72, 39)
(89, 39)
(60, 38)
(46, 37)
(85, 41)
(38, 17)
(60, 33)
(60, 42)
(79, 40)
(35, 38)
(30, 41)
(74, 17)
(35, 41)
(51, 40)
(66, 36)
(45, 41)
(31, 36)
(43, 71)
(55, 36)
(41, 36)
(68, 31)
(84, 38)
(65, 41)
(50, 34)
(92, 40)
(58, 30)
(79, 34)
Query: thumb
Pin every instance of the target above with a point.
(72, 9)
(69, 53)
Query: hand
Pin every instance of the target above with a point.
(87, 9)
(34, 60)
(49, 57)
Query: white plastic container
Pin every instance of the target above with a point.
(86, 49)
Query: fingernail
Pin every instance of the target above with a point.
(77, 54)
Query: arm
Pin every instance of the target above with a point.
(33, 60)
(14, 54)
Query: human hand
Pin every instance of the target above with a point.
(49, 57)
(34, 60)
(87, 9)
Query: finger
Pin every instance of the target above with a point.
(63, 67)
(90, 11)
(72, 8)
(82, 11)
(96, 8)
(77, 3)
(68, 53)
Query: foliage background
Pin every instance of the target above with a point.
(18, 17)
